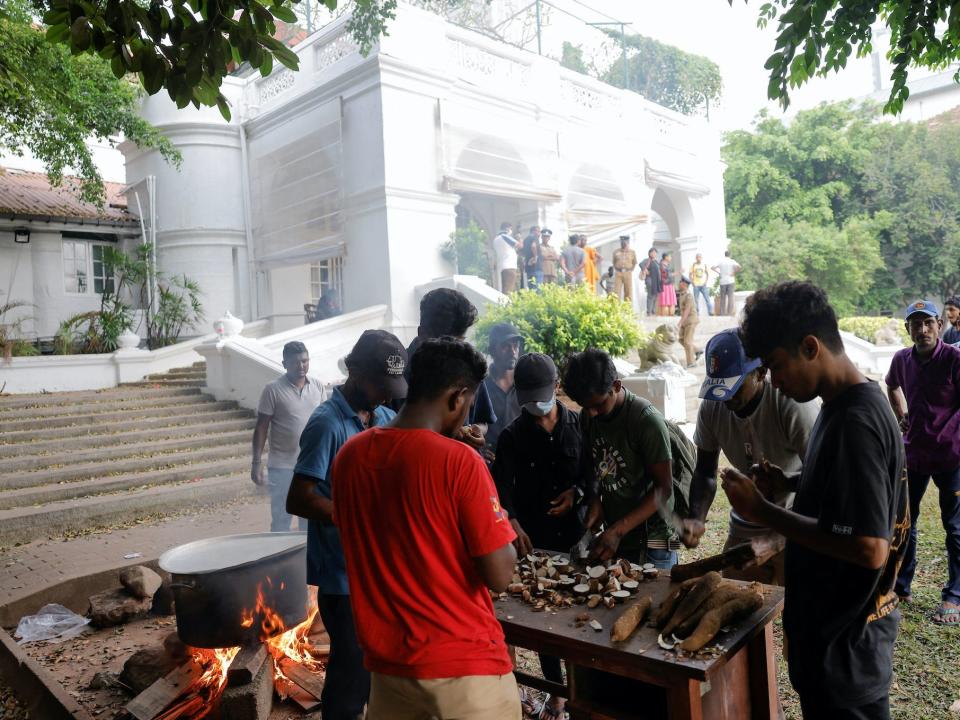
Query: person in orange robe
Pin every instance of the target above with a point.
(591, 275)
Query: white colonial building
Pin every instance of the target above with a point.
(350, 173)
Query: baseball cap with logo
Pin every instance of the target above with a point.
(501, 333)
(381, 356)
(922, 307)
(727, 366)
(535, 378)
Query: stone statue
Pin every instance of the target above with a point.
(889, 334)
(663, 347)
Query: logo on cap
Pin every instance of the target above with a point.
(395, 365)
(920, 305)
(714, 364)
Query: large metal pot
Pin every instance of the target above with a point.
(215, 583)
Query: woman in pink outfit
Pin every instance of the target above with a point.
(668, 296)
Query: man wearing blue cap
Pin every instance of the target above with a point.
(925, 380)
(752, 422)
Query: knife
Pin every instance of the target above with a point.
(581, 549)
(670, 517)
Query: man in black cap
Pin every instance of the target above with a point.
(539, 476)
(504, 348)
(375, 376)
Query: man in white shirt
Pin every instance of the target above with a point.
(727, 269)
(284, 408)
(505, 248)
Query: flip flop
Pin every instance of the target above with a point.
(529, 704)
(549, 712)
(946, 615)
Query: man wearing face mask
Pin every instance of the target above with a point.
(504, 348)
(539, 476)
(375, 368)
(751, 421)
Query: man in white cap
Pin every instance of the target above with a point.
(752, 422)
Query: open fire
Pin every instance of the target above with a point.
(290, 653)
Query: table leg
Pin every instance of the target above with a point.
(764, 699)
(683, 701)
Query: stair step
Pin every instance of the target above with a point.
(131, 438)
(188, 375)
(38, 461)
(74, 473)
(13, 402)
(166, 382)
(61, 517)
(125, 403)
(189, 370)
(10, 438)
(26, 496)
(132, 416)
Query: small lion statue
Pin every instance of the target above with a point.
(889, 334)
(663, 347)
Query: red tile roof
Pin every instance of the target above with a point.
(29, 195)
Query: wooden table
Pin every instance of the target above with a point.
(638, 680)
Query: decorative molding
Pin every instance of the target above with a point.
(676, 181)
(333, 51)
(592, 100)
(477, 63)
(274, 85)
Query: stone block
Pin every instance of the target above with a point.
(252, 701)
(140, 581)
(115, 607)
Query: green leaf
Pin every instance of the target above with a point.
(282, 12)
(224, 107)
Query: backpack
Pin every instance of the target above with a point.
(684, 454)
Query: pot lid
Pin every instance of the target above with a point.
(221, 553)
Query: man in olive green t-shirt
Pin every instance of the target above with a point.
(629, 445)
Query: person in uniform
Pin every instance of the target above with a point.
(689, 319)
(549, 257)
(624, 261)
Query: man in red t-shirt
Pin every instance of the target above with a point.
(424, 536)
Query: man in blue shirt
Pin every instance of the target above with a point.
(375, 376)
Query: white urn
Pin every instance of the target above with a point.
(128, 340)
(228, 325)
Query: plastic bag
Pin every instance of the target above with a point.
(54, 622)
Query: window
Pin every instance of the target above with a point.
(102, 273)
(75, 266)
(83, 261)
(326, 275)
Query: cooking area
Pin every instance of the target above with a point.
(238, 646)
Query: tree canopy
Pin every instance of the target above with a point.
(869, 210)
(817, 38)
(666, 75)
(51, 102)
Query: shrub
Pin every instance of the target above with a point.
(559, 321)
(866, 328)
(467, 251)
(12, 342)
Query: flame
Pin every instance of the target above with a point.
(283, 644)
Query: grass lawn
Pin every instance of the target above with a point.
(927, 656)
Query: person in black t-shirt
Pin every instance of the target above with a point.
(847, 531)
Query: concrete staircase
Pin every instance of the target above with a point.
(71, 462)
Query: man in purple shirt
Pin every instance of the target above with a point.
(926, 380)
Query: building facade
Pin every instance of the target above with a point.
(348, 175)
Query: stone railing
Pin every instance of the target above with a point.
(238, 367)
